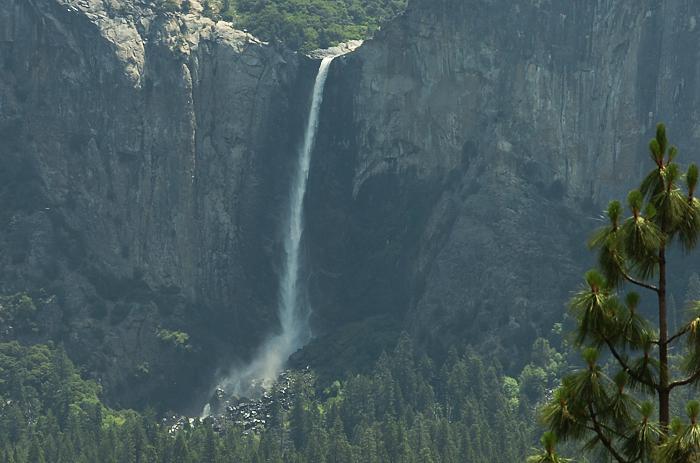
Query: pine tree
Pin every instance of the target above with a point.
(603, 404)
(36, 454)
(300, 422)
(368, 445)
(548, 455)
(209, 453)
(9, 456)
(181, 452)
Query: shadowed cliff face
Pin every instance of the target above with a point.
(146, 161)
(467, 150)
(462, 157)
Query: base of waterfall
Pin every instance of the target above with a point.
(250, 413)
(260, 374)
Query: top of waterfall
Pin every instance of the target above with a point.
(340, 49)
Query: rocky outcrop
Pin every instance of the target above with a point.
(144, 156)
(467, 150)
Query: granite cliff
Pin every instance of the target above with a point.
(470, 147)
(463, 154)
(144, 160)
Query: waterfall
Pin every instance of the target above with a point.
(294, 310)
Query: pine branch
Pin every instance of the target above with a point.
(690, 379)
(603, 438)
(626, 367)
(605, 427)
(685, 329)
(634, 281)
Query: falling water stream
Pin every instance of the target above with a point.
(294, 310)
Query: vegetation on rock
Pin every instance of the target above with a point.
(18, 311)
(306, 24)
(178, 339)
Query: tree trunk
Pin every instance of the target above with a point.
(664, 393)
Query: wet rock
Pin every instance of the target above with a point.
(254, 414)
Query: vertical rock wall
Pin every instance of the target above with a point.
(470, 147)
(145, 161)
(463, 155)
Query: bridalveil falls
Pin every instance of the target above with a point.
(293, 307)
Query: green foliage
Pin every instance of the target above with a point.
(40, 382)
(306, 24)
(177, 339)
(549, 441)
(533, 382)
(626, 356)
(18, 310)
(511, 391)
(406, 409)
(546, 357)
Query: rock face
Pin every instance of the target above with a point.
(467, 150)
(144, 162)
(463, 155)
